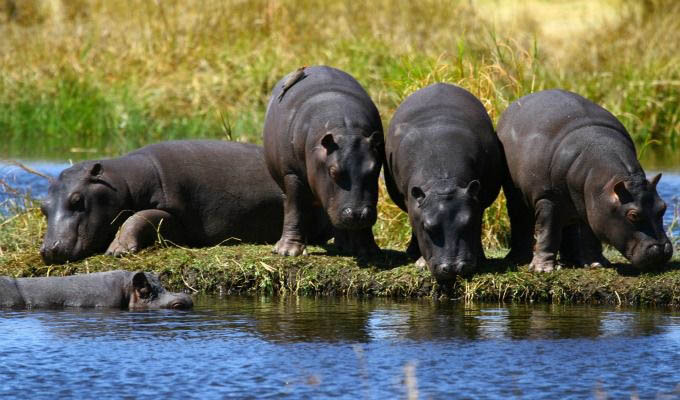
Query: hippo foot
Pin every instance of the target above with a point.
(544, 265)
(120, 247)
(421, 263)
(287, 247)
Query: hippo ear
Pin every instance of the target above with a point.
(328, 142)
(418, 194)
(96, 169)
(141, 285)
(473, 188)
(655, 180)
(621, 194)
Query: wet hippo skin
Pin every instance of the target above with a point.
(195, 193)
(576, 182)
(444, 167)
(113, 289)
(323, 145)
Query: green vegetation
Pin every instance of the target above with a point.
(235, 268)
(89, 78)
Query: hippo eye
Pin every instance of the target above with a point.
(77, 202)
(633, 216)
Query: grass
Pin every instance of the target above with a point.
(253, 269)
(108, 77)
(90, 78)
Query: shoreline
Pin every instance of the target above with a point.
(252, 269)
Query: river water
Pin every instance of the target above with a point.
(243, 347)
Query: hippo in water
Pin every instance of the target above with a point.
(576, 182)
(323, 145)
(444, 167)
(113, 289)
(195, 193)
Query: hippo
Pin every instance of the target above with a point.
(323, 146)
(194, 193)
(444, 168)
(576, 181)
(112, 289)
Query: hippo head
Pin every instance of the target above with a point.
(446, 220)
(146, 292)
(632, 220)
(81, 207)
(344, 177)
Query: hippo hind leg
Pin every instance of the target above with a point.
(581, 247)
(141, 230)
(521, 227)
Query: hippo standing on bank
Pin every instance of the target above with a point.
(323, 145)
(444, 167)
(113, 289)
(196, 193)
(576, 180)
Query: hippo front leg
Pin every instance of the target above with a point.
(141, 230)
(521, 226)
(292, 237)
(357, 242)
(548, 237)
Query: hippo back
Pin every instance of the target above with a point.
(218, 189)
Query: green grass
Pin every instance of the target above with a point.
(246, 268)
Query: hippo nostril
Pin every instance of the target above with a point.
(347, 212)
(668, 249)
(367, 213)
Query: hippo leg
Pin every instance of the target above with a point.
(292, 238)
(581, 247)
(548, 237)
(141, 230)
(413, 249)
(358, 242)
(521, 227)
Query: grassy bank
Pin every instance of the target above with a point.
(91, 77)
(241, 268)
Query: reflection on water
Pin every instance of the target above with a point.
(303, 347)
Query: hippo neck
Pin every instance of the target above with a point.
(138, 177)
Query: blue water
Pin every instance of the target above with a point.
(291, 347)
(26, 183)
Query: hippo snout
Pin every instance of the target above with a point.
(358, 217)
(448, 270)
(51, 253)
(654, 254)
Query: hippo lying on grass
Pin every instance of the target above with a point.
(323, 145)
(196, 193)
(444, 167)
(113, 289)
(576, 180)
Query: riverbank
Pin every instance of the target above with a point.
(234, 268)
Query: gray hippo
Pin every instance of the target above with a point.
(196, 193)
(323, 146)
(577, 182)
(444, 167)
(113, 289)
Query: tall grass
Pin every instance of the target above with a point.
(86, 78)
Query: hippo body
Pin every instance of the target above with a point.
(576, 181)
(195, 193)
(444, 167)
(323, 145)
(113, 289)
